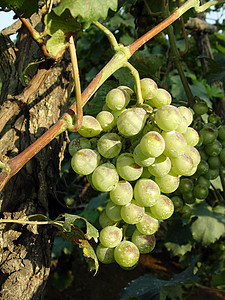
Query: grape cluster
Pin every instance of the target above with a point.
(137, 154)
(211, 146)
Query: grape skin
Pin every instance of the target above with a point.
(148, 224)
(77, 144)
(145, 243)
(85, 161)
(109, 145)
(169, 183)
(104, 254)
(122, 193)
(152, 144)
(105, 177)
(163, 209)
(161, 166)
(90, 127)
(168, 117)
(127, 167)
(110, 236)
(126, 254)
(132, 213)
(146, 192)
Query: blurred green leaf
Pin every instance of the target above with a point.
(24, 8)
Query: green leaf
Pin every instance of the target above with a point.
(218, 280)
(173, 292)
(87, 10)
(24, 8)
(210, 224)
(124, 77)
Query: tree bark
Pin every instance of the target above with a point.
(25, 251)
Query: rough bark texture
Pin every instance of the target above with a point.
(25, 251)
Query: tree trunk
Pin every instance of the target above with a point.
(25, 251)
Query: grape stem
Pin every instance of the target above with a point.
(109, 35)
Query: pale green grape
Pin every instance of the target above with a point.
(84, 161)
(175, 144)
(105, 177)
(90, 127)
(194, 154)
(161, 98)
(132, 213)
(105, 255)
(182, 127)
(109, 145)
(182, 165)
(186, 112)
(110, 236)
(106, 120)
(127, 167)
(168, 117)
(146, 192)
(127, 91)
(152, 144)
(148, 88)
(77, 144)
(191, 136)
(116, 99)
(131, 121)
(148, 224)
(145, 243)
(126, 254)
(113, 211)
(163, 209)
(122, 193)
(104, 220)
(161, 166)
(141, 159)
(168, 183)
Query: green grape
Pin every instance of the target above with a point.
(161, 166)
(203, 154)
(214, 119)
(209, 134)
(131, 121)
(127, 91)
(146, 192)
(213, 149)
(163, 209)
(110, 236)
(106, 120)
(132, 213)
(183, 126)
(105, 255)
(221, 133)
(126, 254)
(222, 157)
(77, 144)
(202, 168)
(186, 212)
(168, 183)
(90, 127)
(148, 88)
(186, 185)
(203, 181)
(109, 145)
(194, 154)
(116, 99)
(148, 224)
(214, 162)
(212, 174)
(186, 113)
(188, 197)
(175, 144)
(104, 220)
(182, 165)
(168, 117)
(141, 159)
(152, 144)
(105, 177)
(200, 191)
(177, 203)
(161, 98)
(127, 167)
(145, 243)
(113, 211)
(200, 108)
(85, 161)
(191, 136)
(122, 193)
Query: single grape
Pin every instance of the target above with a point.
(212, 174)
(127, 167)
(168, 117)
(194, 154)
(110, 236)
(214, 162)
(214, 148)
(222, 156)
(177, 203)
(105, 255)
(126, 254)
(113, 211)
(106, 120)
(168, 183)
(191, 136)
(186, 212)
(202, 168)
(161, 166)
(186, 113)
(109, 145)
(127, 91)
(214, 119)
(161, 98)
(122, 193)
(116, 99)
(148, 88)
(90, 127)
(183, 126)
(203, 154)
(182, 165)
(146, 192)
(203, 181)
(186, 185)
(145, 243)
(163, 209)
(131, 121)
(200, 108)
(141, 159)
(132, 213)
(189, 197)
(77, 144)
(85, 161)
(175, 144)
(148, 224)
(104, 220)
(152, 144)
(209, 134)
(221, 133)
(105, 177)
(200, 191)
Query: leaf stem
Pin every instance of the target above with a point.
(109, 35)
(207, 5)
